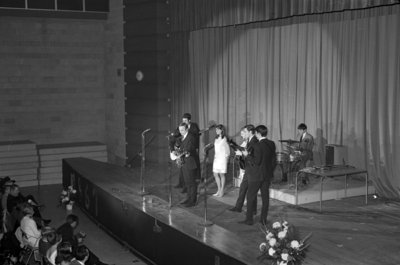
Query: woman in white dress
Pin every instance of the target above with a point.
(222, 152)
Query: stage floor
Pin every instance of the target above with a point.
(347, 231)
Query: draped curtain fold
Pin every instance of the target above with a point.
(338, 73)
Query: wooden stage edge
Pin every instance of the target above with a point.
(347, 231)
(164, 235)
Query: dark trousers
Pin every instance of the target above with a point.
(265, 201)
(252, 192)
(190, 177)
(242, 194)
(181, 181)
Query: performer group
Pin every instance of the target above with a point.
(257, 158)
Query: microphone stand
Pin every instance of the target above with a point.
(142, 168)
(169, 184)
(205, 222)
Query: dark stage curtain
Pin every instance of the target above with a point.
(199, 14)
(337, 72)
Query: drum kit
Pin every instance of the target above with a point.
(289, 157)
(290, 152)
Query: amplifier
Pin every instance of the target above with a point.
(335, 154)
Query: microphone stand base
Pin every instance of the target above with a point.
(206, 223)
(144, 193)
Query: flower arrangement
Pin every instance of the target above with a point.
(67, 197)
(282, 244)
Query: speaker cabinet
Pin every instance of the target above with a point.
(335, 154)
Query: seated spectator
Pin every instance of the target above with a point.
(81, 256)
(60, 251)
(28, 232)
(67, 229)
(6, 181)
(6, 221)
(49, 238)
(67, 232)
(14, 201)
(66, 260)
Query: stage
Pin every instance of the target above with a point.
(347, 231)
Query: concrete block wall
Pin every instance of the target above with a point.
(52, 80)
(61, 80)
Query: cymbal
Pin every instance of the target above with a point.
(290, 141)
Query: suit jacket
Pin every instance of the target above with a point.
(174, 139)
(195, 131)
(306, 146)
(67, 234)
(189, 145)
(267, 150)
(250, 169)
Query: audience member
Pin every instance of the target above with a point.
(60, 250)
(81, 256)
(67, 230)
(66, 260)
(7, 224)
(49, 238)
(28, 232)
(14, 201)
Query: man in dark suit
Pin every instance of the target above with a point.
(193, 129)
(190, 165)
(251, 139)
(306, 145)
(261, 164)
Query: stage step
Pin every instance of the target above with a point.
(58, 163)
(19, 160)
(23, 145)
(51, 156)
(19, 166)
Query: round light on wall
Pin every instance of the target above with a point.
(139, 75)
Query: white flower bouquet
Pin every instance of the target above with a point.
(67, 197)
(282, 245)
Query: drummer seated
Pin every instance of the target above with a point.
(306, 144)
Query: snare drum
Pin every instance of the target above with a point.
(281, 157)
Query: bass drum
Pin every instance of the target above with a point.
(295, 156)
(281, 158)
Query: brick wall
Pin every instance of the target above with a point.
(51, 79)
(59, 80)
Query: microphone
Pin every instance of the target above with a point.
(207, 129)
(145, 131)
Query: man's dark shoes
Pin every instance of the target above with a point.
(234, 209)
(246, 222)
(184, 190)
(178, 186)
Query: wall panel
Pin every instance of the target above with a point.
(147, 45)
